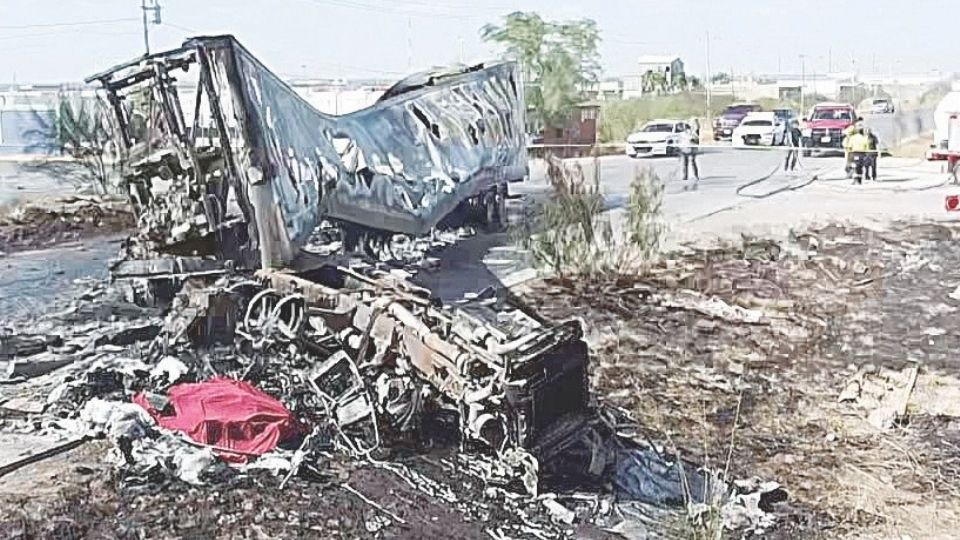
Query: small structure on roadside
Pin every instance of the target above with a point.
(576, 137)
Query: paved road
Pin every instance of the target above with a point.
(30, 281)
(492, 260)
(723, 170)
(19, 182)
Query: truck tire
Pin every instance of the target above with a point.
(502, 195)
(490, 206)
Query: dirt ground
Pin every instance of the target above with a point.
(764, 397)
(916, 148)
(78, 495)
(717, 386)
(48, 222)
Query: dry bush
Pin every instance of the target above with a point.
(572, 236)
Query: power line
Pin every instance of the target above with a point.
(57, 33)
(433, 5)
(77, 23)
(384, 9)
(181, 27)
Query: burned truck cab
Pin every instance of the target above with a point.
(516, 383)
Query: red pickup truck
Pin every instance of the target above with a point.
(824, 127)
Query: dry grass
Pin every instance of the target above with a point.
(762, 400)
(916, 148)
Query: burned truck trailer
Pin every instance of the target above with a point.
(222, 157)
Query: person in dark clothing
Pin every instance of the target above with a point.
(870, 157)
(858, 145)
(689, 140)
(792, 138)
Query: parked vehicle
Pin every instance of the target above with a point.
(824, 126)
(881, 106)
(655, 138)
(759, 128)
(724, 125)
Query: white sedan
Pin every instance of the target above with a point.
(656, 138)
(759, 128)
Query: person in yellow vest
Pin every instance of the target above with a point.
(859, 145)
(848, 156)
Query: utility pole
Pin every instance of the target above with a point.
(708, 83)
(151, 7)
(803, 82)
(733, 87)
(409, 43)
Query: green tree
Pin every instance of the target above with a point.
(654, 81)
(720, 78)
(558, 61)
(679, 82)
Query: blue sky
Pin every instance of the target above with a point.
(57, 40)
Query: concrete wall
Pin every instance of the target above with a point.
(334, 101)
(21, 131)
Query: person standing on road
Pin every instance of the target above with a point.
(689, 140)
(873, 152)
(847, 153)
(793, 136)
(859, 146)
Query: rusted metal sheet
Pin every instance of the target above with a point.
(223, 157)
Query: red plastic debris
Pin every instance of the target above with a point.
(233, 417)
(953, 203)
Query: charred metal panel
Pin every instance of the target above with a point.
(255, 167)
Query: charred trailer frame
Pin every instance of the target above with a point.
(247, 168)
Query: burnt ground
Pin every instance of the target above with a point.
(715, 389)
(45, 223)
(862, 297)
(77, 495)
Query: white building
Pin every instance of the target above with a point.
(606, 89)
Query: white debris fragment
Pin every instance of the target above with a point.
(955, 295)
(711, 306)
(558, 511)
(115, 419)
(190, 465)
(170, 369)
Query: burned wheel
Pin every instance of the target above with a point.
(494, 209)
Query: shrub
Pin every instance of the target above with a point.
(571, 234)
